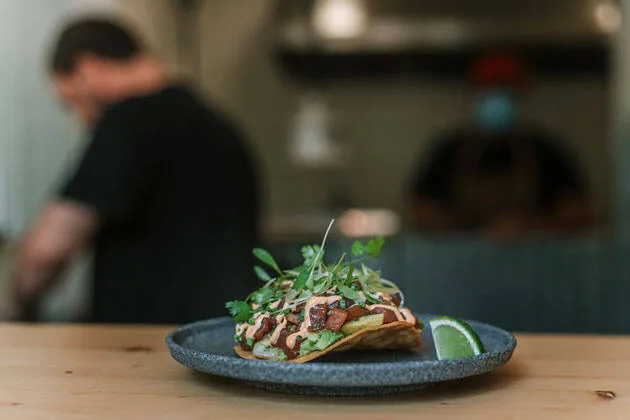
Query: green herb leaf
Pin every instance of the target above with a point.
(261, 273)
(261, 296)
(239, 310)
(358, 249)
(305, 295)
(266, 257)
(310, 282)
(374, 247)
(349, 293)
(301, 280)
(350, 276)
(312, 254)
(322, 285)
(372, 300)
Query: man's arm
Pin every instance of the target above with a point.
(63, 228)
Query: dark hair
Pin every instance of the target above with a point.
(499, 69)
(98, 36)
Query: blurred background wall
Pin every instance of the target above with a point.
(234, 63)
(403, 112)
(378, 127)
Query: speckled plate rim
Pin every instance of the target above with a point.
(328, 374)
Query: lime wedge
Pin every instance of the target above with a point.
(454, 338)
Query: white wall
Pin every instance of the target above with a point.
(35, 135)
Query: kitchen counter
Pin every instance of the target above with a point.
(124, 372)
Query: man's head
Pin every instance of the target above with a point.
(86, 63)
(497, 80)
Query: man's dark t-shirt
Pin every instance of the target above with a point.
(176, 194)
(556, 170)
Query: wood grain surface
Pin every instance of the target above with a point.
(119, 372)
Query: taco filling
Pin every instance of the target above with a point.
(303, 313)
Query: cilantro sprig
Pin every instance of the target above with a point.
(239, 310)
(372, 248)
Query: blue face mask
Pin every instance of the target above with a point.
(495, 111)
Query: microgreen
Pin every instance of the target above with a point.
(261, 273)
(349, 293)
(310, 253)
(261, 296)
(300, 282)
(265, 256)
(371, 299)
(346, 277)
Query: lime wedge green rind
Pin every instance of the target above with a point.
(454, 338)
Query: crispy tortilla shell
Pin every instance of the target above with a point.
(394, 336)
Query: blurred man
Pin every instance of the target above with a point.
(500, 175)
(164, 192)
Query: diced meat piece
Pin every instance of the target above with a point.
(388, 315)
(355, 312)
(266, 326)
(336, 319)
(318, 318)
(243, 343)
(278, 305)
(357, 285)
(396, 299)
(299, 308)
(282, 345)
(337, 304)
(293, 318)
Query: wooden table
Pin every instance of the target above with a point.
(112, 372)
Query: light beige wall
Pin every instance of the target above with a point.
(240, 75)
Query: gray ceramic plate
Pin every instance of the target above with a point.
(207, 346)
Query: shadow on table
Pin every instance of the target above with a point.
(442, 393)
